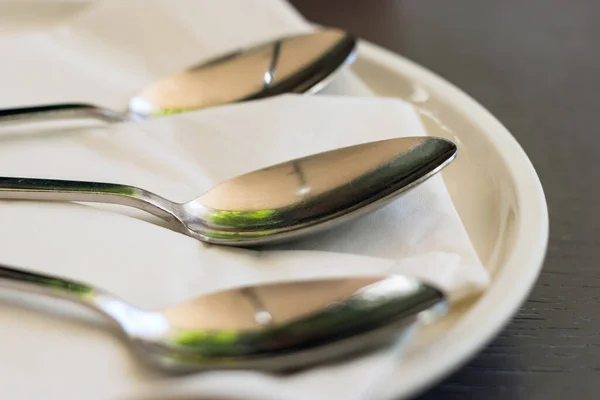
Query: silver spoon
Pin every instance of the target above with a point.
(280, 202)
(272, 327)
(294, 64)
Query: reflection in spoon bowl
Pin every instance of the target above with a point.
(316, 192)
(276, 326)
(261, 306)
(295, 64)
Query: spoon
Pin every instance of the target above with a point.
(296, 64)
(276, 203)
(277, 326)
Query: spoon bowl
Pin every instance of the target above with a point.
(293, 64)
(277, 326)
(273, 204)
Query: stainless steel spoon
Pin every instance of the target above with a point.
(273, 327)
(294, 64)
(280, 202)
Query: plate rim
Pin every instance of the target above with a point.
(534, 226)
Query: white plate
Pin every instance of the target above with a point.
(499, 198)
(492, 183)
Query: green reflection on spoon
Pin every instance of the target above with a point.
(72, 287)
(242, 219)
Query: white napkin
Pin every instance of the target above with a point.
(104, 56)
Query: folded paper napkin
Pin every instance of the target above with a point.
(104, 55)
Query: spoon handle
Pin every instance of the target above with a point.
(93, 192)
(73, 291)
(45, 284)
(59, 112)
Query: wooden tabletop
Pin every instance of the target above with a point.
(536, 66)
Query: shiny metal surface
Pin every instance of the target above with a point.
(274, 327)
(280, 202)
(294, 64)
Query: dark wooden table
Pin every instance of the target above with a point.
(535, 65)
